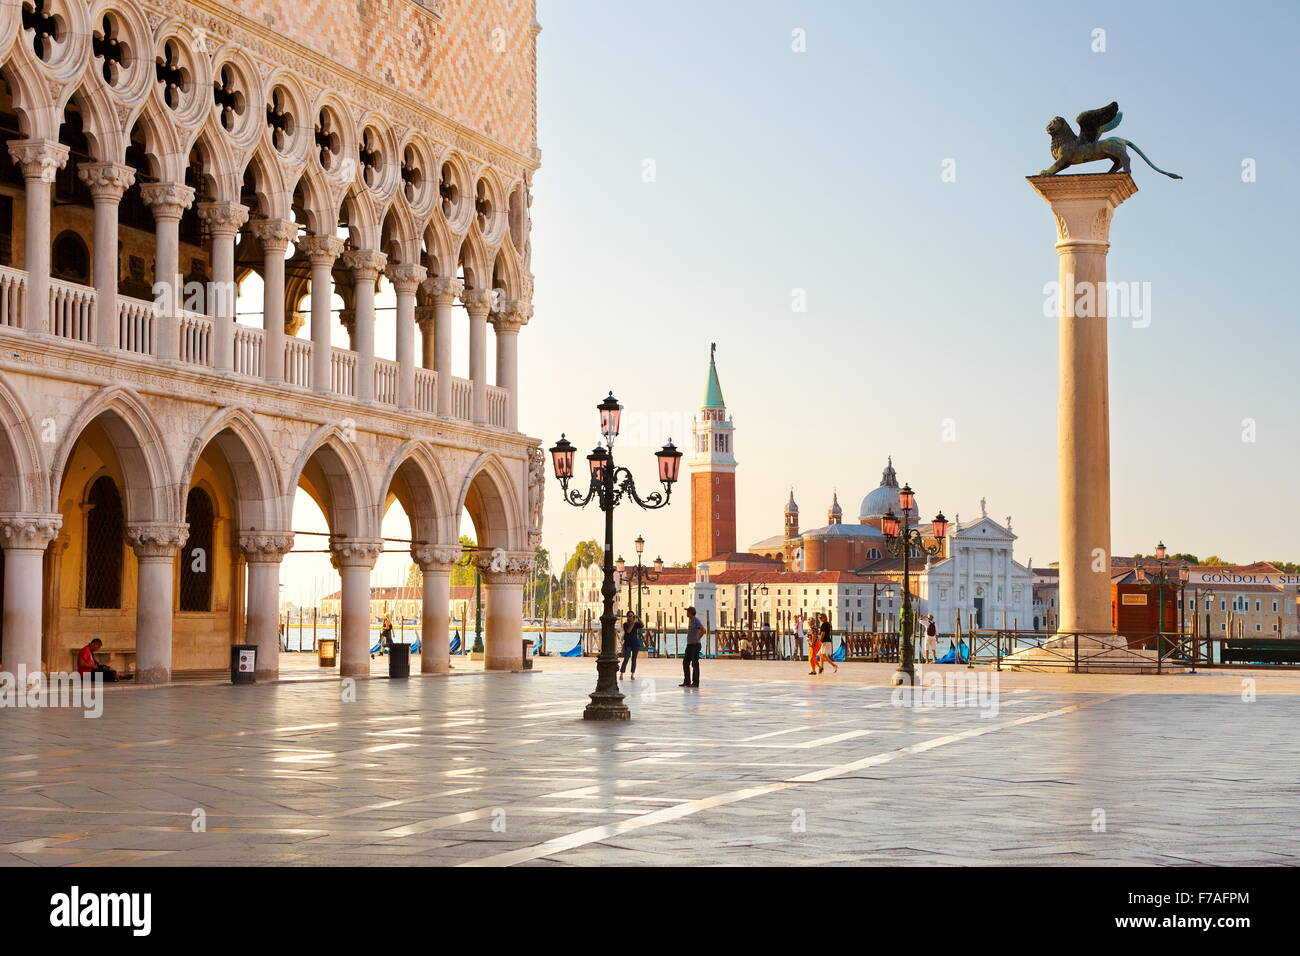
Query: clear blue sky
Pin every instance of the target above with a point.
(821, 171)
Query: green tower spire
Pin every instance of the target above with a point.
(713, 391)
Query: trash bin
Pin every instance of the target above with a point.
(399, 660)
(528, 655)
(243, 663)
(328, 652)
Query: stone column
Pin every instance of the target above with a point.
(444, 292)
(40, 160)
(355, 558)
(168, 202)
(275, 236)
(406, 278)
(155, 547)
(263, 553)
(322, 251)
(1083, 207)
(504, 576)
(435, 563)
(507, 324)
(24, 538)
(478, 302)
(424, 320)
(107, 182)
(366, 264)
(223, 220)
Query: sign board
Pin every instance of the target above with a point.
(1210, 578)
(1133, 599)
(246, 659)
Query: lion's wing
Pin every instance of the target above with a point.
(1092, 123)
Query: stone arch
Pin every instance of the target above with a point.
(475, 263)
(22, 468)
(106, 138)
(505, 272)
(441, 248)
(274, 197)
(151, 491)
(222, 166)
(166, 153)
(318, 202)
(414, 478)
(38, 112)
(253, 465)
(400, 237)
(488, 494)
(331, 469)
(361, 216)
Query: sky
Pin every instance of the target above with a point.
(702, 178)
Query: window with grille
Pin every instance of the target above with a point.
(105, 532)
(196, 556)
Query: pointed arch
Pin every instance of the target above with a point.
(400, 236)
(98, 121)
(488, 494)
(335, 475)
(22, 468)
(151, 490)
(362, 217)
(414, 478)
(253, 466)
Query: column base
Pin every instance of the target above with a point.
(266, 675)
(501, 663)
(154, 675)
(360, 669)
(606, 705)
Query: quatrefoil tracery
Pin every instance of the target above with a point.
(48, 29)
(229, 99)
(172, 75)
(107, 45)
(279, 119)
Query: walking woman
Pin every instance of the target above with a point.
(826, 645)
(631, 642)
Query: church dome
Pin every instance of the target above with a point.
(885, 498)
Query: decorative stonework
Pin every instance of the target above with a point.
(157, 541)
(444, 290)
(264, 546)
(274, 234)
(321, 249)
(478, 301)
(406, 276)
(504, 565)
(106, 181)
(167, 200)
(436, 557)
(1074, 201)
(512, 317)
(365, 263)
(223, 218)
(29, 531)
(536, 495)
(39, 159)
(355, 552)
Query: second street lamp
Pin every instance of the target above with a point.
(901, 538)
(609, 484)
(641, 575)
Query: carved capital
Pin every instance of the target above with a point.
(406, 276)
(167, 200)
(424, 315)
(158, 541)
(348, 319)
(223, 218)
(39, 159)
(444, 290)
(512, 317)
(265, 546)
(1083, 205)
(366, 264)
(106, 181)
(355, 552)
(321, 250)
(274, 234)
(29, 532)
(506, 567)
(436, 557)
(478, 302)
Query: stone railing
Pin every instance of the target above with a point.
(426, 390)
(72, 311)
(461, 390)
(135, 325)
(497, 400)
(13, 291)
(196, 339)
(297, 362)
(248, 350)
(386, 381)
(343, 372)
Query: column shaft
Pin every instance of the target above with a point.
(354, 629)
(39, 160)
(365, 265)
(478, 366)
(223, 220)
(155, 549)
(23, 595)
(435, 622)
(263, 627)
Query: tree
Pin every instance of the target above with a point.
(462, 572)
(1214, 561)
(413, 576)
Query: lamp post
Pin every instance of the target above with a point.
(642, 575)
(608, 485)
(901, 540)
(749, 600)
(1157, 582)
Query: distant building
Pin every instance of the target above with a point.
(404, 603)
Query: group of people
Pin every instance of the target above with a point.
(634, 634)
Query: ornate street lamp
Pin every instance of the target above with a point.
(642, 575)
(609, 484)
(1158, 581)
(901, 538)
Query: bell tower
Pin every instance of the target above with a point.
(713, 474)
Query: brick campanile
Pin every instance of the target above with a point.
(713, 475)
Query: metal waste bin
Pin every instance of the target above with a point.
(243, 663)
(399, 660)
(528, 655)
(328, 651)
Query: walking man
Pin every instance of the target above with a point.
(931, 640)
(691, 659)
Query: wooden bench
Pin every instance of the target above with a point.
(1261, 650)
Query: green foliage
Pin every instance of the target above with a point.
(462, 572)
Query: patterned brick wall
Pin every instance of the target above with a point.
(712, 493)
(472, 60)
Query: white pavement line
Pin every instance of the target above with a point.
(775, 733)
(595, 834)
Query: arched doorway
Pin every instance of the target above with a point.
(494, 509)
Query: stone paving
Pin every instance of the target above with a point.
(763, 765)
